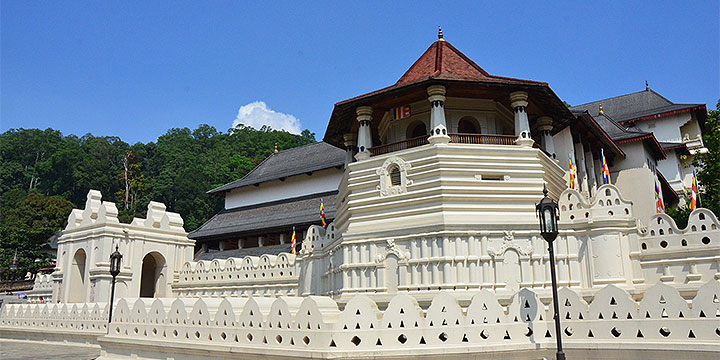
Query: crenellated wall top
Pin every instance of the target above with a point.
(97, 211)
(606, 204)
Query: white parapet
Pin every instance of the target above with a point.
(662, 325)
(684, 258)
(266, 275)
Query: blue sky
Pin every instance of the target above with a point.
(136, 69)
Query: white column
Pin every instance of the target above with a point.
(598, 171)
(545, 125)
(581, 169)
(519, 104)
(240, 243)
(261, 241)
(221, 245)
(364, 139)
(590, 163)
(438, 125)
(350, 140)
(282, 238)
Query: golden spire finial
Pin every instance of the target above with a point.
(440, 35)
(601, 110)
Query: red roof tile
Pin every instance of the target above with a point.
(442, 61)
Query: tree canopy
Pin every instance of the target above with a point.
(43, 175)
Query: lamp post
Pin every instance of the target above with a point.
(547, 211)
(13, 269)
(115, 261)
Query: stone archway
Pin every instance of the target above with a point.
(152, 276)
(76, 278)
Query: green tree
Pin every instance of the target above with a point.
(708, 164)
(26, 226)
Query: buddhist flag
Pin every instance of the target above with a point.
(659, 202)
(401, 112)
(573, 175)
(293, 247)
(694, 200)
(322, 214)
(605, 169)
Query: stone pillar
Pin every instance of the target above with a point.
(545, 125)
(590, 163)
(581, 168)
(204, 247)
(261, 241)
(519, 104)
(350, 140)
(282, 238)
(240, 243)
(598, 171)
(364, 137)
(221, 245)
(438, 125)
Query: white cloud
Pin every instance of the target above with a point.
(257, 114)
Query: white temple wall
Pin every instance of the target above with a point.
(671, 169)
(638, 186)
(564, 146)
(294, 186)
(668, 128)
(448, 186)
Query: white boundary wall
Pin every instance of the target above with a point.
(612, 325)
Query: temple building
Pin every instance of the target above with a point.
(446, 98)
(432, 245)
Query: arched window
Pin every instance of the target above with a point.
(468, 125)
(416, 129)
(395, 176)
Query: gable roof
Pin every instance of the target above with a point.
(267, 217)
(593, 126)
(620, 134)
(639, 106)
(295, 161)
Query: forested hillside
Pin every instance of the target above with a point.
(44, 174)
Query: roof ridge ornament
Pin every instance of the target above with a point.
(440, 34)
(647, 87)
(600, 110)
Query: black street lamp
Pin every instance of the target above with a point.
(115, 261)
(13, 269)
(548, 213)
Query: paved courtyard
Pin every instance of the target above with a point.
(17, 350)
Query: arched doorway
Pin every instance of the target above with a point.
(468, 125)
(76, 286)
(152, 277)
(416, 129)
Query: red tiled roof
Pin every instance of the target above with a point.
(442, 61)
